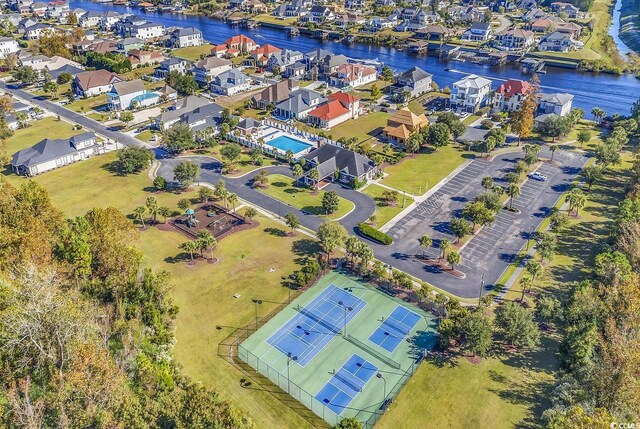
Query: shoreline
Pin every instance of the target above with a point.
(630, 24)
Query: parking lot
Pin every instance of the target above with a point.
(495, 246)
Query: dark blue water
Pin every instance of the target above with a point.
(614, 94)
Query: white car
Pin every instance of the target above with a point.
(538, 176)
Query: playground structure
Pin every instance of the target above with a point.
(218, 220)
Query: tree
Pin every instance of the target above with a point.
(534, 268)
(64, 78)
(445, 245)
(348, 423)
(454, 258)
(289, 156)
(51, 87)
(425, 242)
(230, 153)
(608, 154)
(525, 284)
(160, 183)
(152, 207)
(184, 204)
(591, 174)
(331, 235)
(517, 326)
(460, 228)
(205, 194)
(190, 247)
(375, 92)
(487, 183)
(126, 117)
(250, 213)
(314, 175)
(553, 148)
(576, 200)
(233, 200)
(555, 126)
(139, 212)
(513, 191)
(178, 138)
(206, 241)
(165, 212)
(522, 119)
(476, 333)
(546, 244)
(330, 202)
(25, 74)
(439, 135)
(598, 114)
(412, 144)
(297, 171)
(133, 159)
(387, 74)
(478, 214)
(292, 221)
(558, 221)
(186, 173)
(583, 136)
(184, 84)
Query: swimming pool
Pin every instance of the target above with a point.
(285, 143)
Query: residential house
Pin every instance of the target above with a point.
(559, 42)
(186, 37)
(533, 14)
(470, 94)
(510, 95)
(36, 31)
(341, 164)
(130, 95)
(478, 32)
(293, 9)
(571, 11)
(435, 32)
(90, 83)
(38, 9)
(259, 57)
(230, 82)
(128, 43)
(299, 104)
(49, 154)
(515, 39)
(345, 20)
(141, 58)
(283, 59)
(355, 4)
(296, 70)
(199, 113)
(275, 93)
(402, 124)
(57, 9)
(353, 75)
(90, 19)
(339, 108)
(144, 31)
(171, 64)
(37, 62)
(219, 51)
(545, 25)
(559, 104)
(109, 20)
(241, 43)
(8, 45)
(69, 69)
(379, 24)
(105, 46)
(318, 14)
(329, 64)
(413, 82)
(570, 28)
(208, 68)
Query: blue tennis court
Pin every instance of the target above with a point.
(306, 333)
(346, 383)
(394, 328)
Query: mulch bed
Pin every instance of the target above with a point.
(475, 360)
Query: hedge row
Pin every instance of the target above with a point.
(372, 233)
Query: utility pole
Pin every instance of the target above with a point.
(481, 289)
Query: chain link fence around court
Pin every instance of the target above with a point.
(368, 418)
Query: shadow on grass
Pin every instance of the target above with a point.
(276, 232)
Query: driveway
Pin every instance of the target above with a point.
(210, 173)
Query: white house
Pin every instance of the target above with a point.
(353, 75)
(559, 103)
(186, 37)
(108, 20)
(91, 83)
(90, 19)
(132, 94)
(478, 32)
(470, 93)
(208, 68)
(50, 154)
(340, 108)
(510, 95)
(35, 31)
(8, 45)
(230, 82)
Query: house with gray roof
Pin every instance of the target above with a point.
(171, 64)
(186, 37)
(50, 154)
(337, 163)
(198, 113)
(299, 104)
(558, 103)
(230, 82)
(130, 95)
(414, 81)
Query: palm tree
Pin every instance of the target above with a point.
(425, 242)
(233, 200)
(206, 241)
(152, 207)
(445, 245)
(224, 194)
(190, 247)
(165, 212)
(250, 213)
(454, 259)
(487, 183)
(534, 268)
(289, 155)
(139, 212)
(553, 150)
(314, 175)
(514, 192)
(297, 171)
(525, 283)
(576, 200)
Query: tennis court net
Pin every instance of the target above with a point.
(396, 326)
(373, 352)
(347, 379)
(319, 320)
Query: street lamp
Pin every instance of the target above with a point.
(342, 304)
(384, 391)
(289, 359)
(257, 302)
(481, 289)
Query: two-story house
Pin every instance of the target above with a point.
(95, 82)
(470, 94)
(208, 68)
(557, 103)
(169, 65)
(515, 39)
(478, 32)
(186, 37)
(413, 82)
(510, 95)
(130, 95)
(353, 75)
(230, 82)
(299, 104)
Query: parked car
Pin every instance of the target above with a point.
(538, 176)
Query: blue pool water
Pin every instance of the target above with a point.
(285, 143)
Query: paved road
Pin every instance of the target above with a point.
(493, 248)
(72, 116)
(210, 172)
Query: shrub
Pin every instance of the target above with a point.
(375, 235)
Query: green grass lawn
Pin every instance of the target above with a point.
(204, 294)
(146, 136)
(48, 127)
(417, 174)
(193, 53)
(270, 19)
(86, 104)
(384, 212)
(244, 164)
(283, 188)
